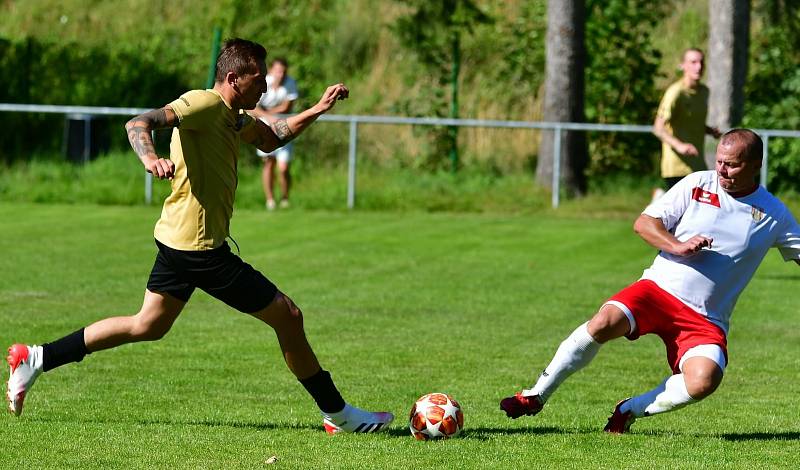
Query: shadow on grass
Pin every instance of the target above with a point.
(483, 433)
(260, 426)
(762, 436)
(479, 433)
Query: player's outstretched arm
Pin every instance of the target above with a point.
(139, 131)
(282, 131)
(652, 230)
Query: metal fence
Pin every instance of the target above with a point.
(354, 120)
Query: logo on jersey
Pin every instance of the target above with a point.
(757, 213)
(706, 197)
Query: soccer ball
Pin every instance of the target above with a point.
(435, 416)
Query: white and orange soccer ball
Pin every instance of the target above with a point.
(435, 416)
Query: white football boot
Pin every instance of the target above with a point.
(25, 364)
(352, 419)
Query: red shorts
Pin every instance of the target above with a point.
(679, 327)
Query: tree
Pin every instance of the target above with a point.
(564, 93)
(728, 42)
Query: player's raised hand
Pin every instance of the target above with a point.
(332, 93)
(693, 245)
(161, 168)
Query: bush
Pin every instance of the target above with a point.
(773, 91)
(620, 83)
(73, 74)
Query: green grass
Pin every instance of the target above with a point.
(396, 305)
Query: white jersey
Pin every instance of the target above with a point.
(743, 229)
(286, 91)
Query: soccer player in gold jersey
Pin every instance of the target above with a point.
(191, 235)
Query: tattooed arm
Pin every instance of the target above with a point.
(281, 131)
(139, 135)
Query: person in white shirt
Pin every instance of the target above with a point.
(712, 230)
(279, 98)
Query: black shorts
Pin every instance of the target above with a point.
(672, 181)
(218, 272)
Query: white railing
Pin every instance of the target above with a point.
(355, 120)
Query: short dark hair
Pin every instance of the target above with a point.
(753, 146)
(239, 56)
(280, 60)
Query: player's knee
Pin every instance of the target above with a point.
(147, 329)
(292, 315)
(608, 323)
(702, 381)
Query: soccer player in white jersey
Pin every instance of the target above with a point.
(712, 230)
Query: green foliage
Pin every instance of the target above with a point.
(684, 25)
(432, 32)
(429, 28)
(66, 73)
(65, 52)
(520, 42)
(304, 33)
(149, 69)
(621, 71)
(516, 36)
(773, 90)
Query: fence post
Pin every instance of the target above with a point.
(351, 164)
(556, 165)
(87, 138)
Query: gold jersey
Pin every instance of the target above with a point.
(684, 111)
(205, 150)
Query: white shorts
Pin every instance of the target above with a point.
(710, 351)
(283, 154)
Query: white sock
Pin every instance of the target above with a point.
(574, 353)
(670, 395)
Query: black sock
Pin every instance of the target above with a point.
(70, 348)
(321, 388)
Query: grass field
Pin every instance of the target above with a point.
(396, 305)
